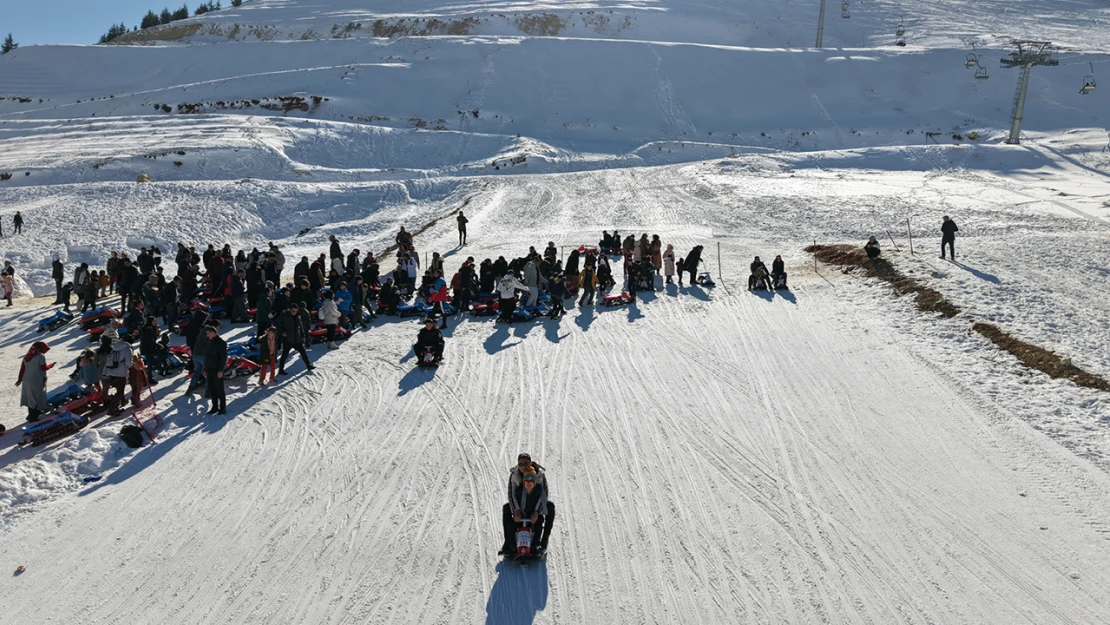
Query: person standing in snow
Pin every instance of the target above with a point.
(462, 228)
(948, 230)
(532, 280)
(267, 355)
(691, 265)
(57, 272)
(8, 283)
(506, 290)
(17, 221)
(668, 263)
(32, 377)
(215, 359)
(117, 370)
(587, 281)
(330, 315)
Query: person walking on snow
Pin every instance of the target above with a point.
(32, 377)
(17, 221)
(948, 230)
(57, 271)
(462, 228)
(292, 329)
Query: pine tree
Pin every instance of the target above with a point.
(165, 17)
(150, 19)
(182, 13)
(114, 31)
(201, 10)
(236, 3)
(8, 45)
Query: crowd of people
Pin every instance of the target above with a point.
(340, 291)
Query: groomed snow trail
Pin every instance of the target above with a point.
(714, 457)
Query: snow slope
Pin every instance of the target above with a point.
(816, 465)
(828, 455)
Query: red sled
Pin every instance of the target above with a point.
(617, 300)
(320, 335)
(240, 368)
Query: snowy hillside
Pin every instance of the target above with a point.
(825, 455)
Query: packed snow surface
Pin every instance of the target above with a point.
(823, 455)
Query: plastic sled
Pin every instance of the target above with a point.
(705, 280)
(42, 432)
(484, 310)
(617, 300)
(65, 394)
(98, 317)
(238, 367)
(55, 321)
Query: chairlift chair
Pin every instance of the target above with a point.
(1088, 81)
(981, 73)
(972, 60)
(844, 10)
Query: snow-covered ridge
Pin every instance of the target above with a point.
(784, 23)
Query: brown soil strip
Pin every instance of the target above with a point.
(931, 300)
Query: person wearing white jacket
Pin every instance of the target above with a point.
(532, 279)
(329, 314)
(506, 289)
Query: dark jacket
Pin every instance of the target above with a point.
(58, 272)
(462, 222)
(571, 267)
(194, 327)
(757, 265)
(291, 329)
(949, 229)
(265, 308)
(300, 270)
(215, 356)
(429, 337)
(692, 259)
(778, 267)
(335, 251)
(148, 340)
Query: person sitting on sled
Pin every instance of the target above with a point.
(759, 275)
(429, 338)
(778, 273)
(527, 500)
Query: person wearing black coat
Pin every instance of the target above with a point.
(389, 298)
(691, 264)
(301, 269)
(197, 322)
(429, 337)
(170, 306)
(148, 348)
(500, 268)
(948, 231)
(462, 228)
(128, 277)
(759, 271)
(215, 359)
(571, 266)
(334, 251)
(485, 276)
(255, 282)
(238, 307)
(292, 330)
(58, 273)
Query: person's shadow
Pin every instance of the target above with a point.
(518, 594)
(585, 317)
(982, 275)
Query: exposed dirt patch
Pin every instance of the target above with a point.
(931, 300)
(275, 103)
(1040, 359)
(928, 300)
(542, 25)
(419, 27)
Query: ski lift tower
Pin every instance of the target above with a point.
(821, 27)
(1028, 54)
